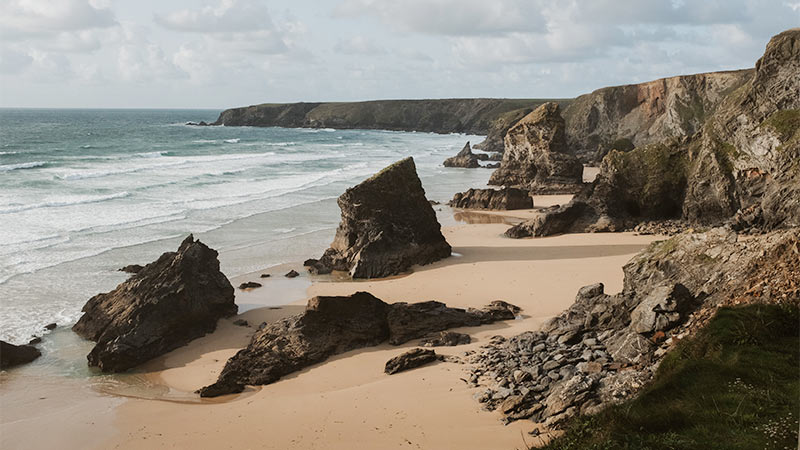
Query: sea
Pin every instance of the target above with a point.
(85, 192)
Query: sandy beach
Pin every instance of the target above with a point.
(348, 399)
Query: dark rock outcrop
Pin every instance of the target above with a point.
(249, 285)
(14, 355)
(446, 339)
(465, 158)
(292, 274)
(333, 325)
(536, 155)
(131, 268)
(170, 302)
(410, 360)
(387, 226)
(498, 199)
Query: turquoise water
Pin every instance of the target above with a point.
(84, 192)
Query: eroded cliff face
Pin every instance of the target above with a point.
(646, 113)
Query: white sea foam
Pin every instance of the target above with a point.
(62, 201)
(20, 166)
(8, 153)
(232, 141)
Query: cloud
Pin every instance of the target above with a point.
(358, 45)
(12, 62)
(24, 18)
(448, 17)
(230, 16)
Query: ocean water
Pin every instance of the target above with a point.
(84, 192)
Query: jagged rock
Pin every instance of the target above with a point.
(317, 267)
(499, 199)
(265, 275)
(410, 360)
(387, 226)
(567, 393)
(498, 129)
(292, 274)
(465, 158)
(249, 285)
(536, 155)
(170, 302)
(415, 320)
(661, 309)
(446, 339)
(50, 326)
(13, 355)
(131, 268)
(333, 325)
(35, 340)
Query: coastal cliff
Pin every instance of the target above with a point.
(468, 115)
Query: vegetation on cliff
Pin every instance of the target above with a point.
(732, 386)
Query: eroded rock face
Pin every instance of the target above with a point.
(387, 226)
(536, 155)
(333, 325)
(14, 355)
(661, 309)
(497, 199)
(168, 303)
(465, 158)
(411, 359)
(446, 339)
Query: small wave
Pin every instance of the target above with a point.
(276, 144)
(151, 154)
(204, 141)
(20, 166)
(8, 153)
(62, 202)
(232, 141)
(86, 146)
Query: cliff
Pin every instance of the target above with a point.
(471, 116)
(646, 113)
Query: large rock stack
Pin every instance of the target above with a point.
(536, 155)
(168, 303)
(387, 226)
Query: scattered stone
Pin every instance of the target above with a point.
(292, 274)
(265, 275)
(410, 360)
(35, 340)
(138, 321)
(50, 326)
(14, 355)
(249, 285)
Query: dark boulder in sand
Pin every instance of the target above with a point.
(498, 199)
(170, 302)
(292, 274)
(536, 155)
(465, 158)
(13, 355)
(410, 360)
(249, 285)
(333, 325)
(387, 226)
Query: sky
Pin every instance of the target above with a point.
(224, 53)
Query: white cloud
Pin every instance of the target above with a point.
(23, 18)
(230, 16)
(358, 45)
(12, 61)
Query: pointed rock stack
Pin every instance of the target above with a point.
(387, 226)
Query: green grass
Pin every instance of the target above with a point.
(785, 122)
(734, 386)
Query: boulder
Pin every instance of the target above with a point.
(387, 226)
(292, 274)
(170, 302)
(446, 339)
(498, 199)
(249, 285)
(410, 360)
(661, 309)
(13, 355)
(536, 155)
(333, 325)
(465, 158)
